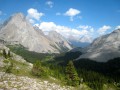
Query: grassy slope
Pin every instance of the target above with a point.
(30, 56)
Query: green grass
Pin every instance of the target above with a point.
(19, 68)
(30, 56)
(110, 87)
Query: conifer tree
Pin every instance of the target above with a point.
(38, 70)
(9, 54)
(4, 53)
(9, 68)
(71, 74)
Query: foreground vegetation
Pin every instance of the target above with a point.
(97, 76)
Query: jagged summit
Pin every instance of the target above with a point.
(18, 15)
(17, 30)
(104, 48)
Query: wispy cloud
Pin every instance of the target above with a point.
(33, 14)
(49, 3)
(72, 13)
(103, 29)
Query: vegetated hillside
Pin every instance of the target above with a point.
(16, 75)
(65, 57)
(94, 74)
(108, 72)
(110, 68)
(30, 56)
(91, 73)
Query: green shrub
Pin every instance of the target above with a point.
(39, 70)
(9, 67)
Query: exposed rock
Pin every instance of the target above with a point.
(59, 40)
(13, 82)
(104, 48)
(17, 30)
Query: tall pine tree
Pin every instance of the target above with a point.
(72, 78)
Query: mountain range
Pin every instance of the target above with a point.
(18, 30)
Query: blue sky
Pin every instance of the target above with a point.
(102, 16)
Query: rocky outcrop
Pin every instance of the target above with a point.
(13, 82)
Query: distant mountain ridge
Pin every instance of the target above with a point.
(103, 48)
(83, 41)
(18, 30)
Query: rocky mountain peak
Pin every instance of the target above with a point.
(16, 18)
(17, 30)
(18, 15)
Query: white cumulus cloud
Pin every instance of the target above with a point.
(33, 14)
(71, 13)
(103, 29)
(47, 26)
(69, 33)
(49, 3)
